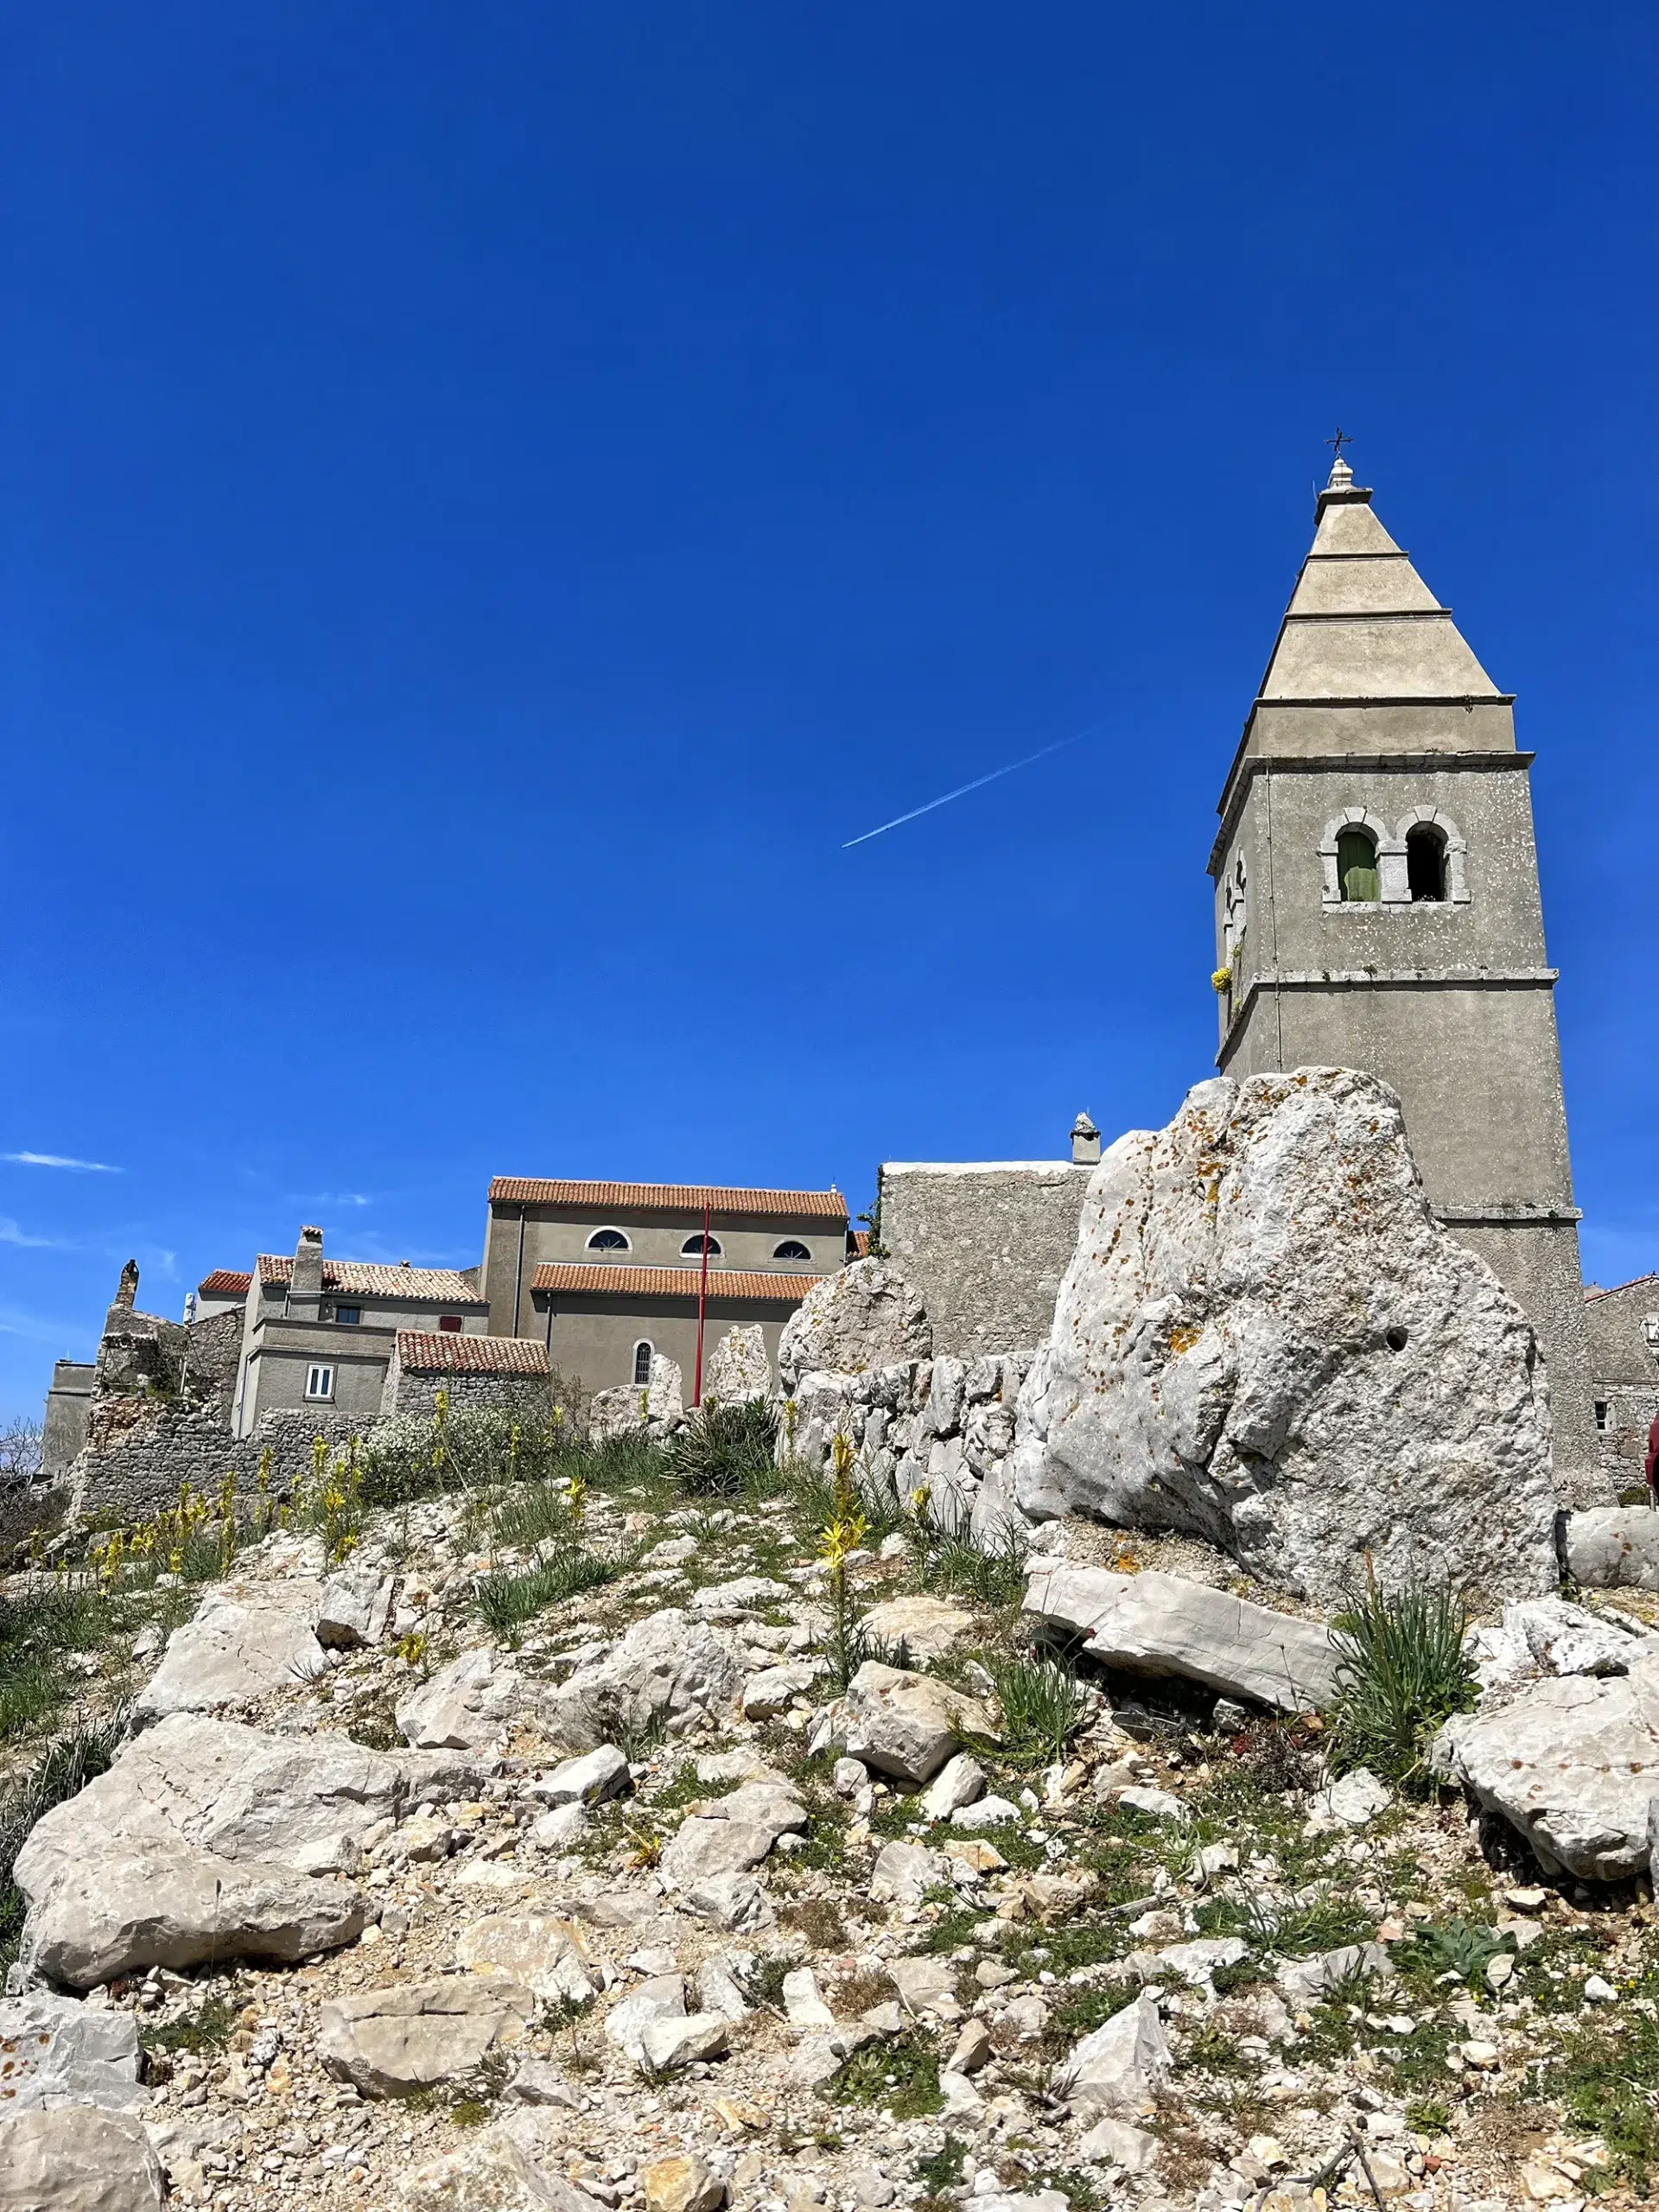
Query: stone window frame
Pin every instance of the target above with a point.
(1393, 887)
(1457, 886)
(1359, 818)
(1235, 907)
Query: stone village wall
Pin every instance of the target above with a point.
(984, 1245)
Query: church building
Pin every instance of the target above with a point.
(1377, 907)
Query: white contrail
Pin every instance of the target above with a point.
(961, 790)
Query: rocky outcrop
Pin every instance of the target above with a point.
(55, 2051)
(907, 1724)
(1267, 1340)
(205, 1839)
(667, 1668)
(77, 2162)
(738, 1368)
(244, 1639)
(1573, 1763)
(655, 1410)
(865, 1316)
(1155, 1623)
(1613, 1548)
(388, 2042)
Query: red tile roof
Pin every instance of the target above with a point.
(447, 1286)
(671, 1198)
(449, 1352)
(670, 1282)
(224, 1283)
(860, 1241)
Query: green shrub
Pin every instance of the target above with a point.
(723, 1451)
(507, 1601)
(1401, 1670)
(1044, 1705)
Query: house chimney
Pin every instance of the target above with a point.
(127, 1289)
(305, 1283)
(1085, 1142)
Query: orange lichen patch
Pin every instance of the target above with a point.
(1183, 1337)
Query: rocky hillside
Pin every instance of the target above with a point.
(509, 1822)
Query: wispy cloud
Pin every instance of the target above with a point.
(10, 1233)
(61, 1160)
(34, 1329)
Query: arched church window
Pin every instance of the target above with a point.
(642, 1356)
(1357, 871)
(1426, 863)
(791, 1248)
(692, 1248)
(607, 1240)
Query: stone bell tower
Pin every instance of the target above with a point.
(1377, 907)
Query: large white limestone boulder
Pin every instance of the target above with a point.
(1265, 1340)
(668, 1665)
(866, 1316)
(206, 1839)
(738, 1368)
(1573, 1763)
(245, 1639)
(78, 2161)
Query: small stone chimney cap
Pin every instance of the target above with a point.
(1082, 1127)
(1085, 1142)
(311, 1236)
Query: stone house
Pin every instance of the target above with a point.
(218, 1293)
(1622, 1324)
(319, 1335)
(607, 1274)
(471, 1371)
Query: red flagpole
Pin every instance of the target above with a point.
(702, 1301)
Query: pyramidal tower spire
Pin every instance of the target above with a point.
(1377, 907)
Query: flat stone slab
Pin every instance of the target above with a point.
(56, 2051)
(244, 1640)
(1573, 1763)
(83, 2161)
(388, 2042)
(1155, 1624)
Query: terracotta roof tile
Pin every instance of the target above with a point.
(371, 1279)
(224, 1283)
(670, 1282)
(449, 1352)
(673, 1197)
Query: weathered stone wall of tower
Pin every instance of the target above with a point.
(1374, 717)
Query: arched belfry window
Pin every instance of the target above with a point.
(1426, 863)
(642, 1357)
(1356, 870)
(607, 1240)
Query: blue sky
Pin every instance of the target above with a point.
(495, 496)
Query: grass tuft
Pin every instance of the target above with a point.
(1401, 1670)
(725, 1450)
(1044, 1705)
(507, 1601)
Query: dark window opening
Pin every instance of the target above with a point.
(1601, 1413)
(451, 1322)
(642, 1361)
(1357, 867)
(349, 1317)
(607, 1240)
(1426, 863)
(792, 1248)
(692, 1248)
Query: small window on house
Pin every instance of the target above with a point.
(1357, 867)
(607, 1240)
(642, 1357)
(792, 1248)
(349, 1317)
(692, 1248)
(1426, 863)
(450, 1321)
(1601, 1413)
(319, 1381)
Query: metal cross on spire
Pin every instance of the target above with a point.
(1341, 439)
